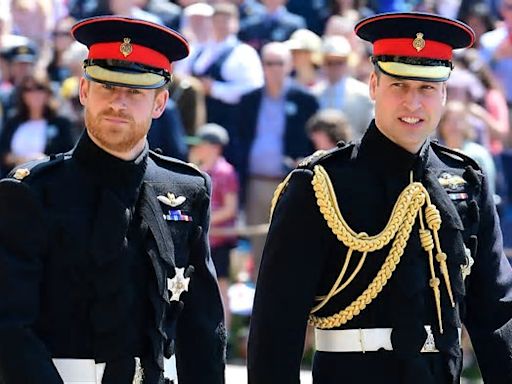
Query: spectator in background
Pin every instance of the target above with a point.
(187, 92)
(167, 134)
(70, 107)
(21, 62)
(275, 24)
(206, 153)
(166, 10)
(339, 90)
(328, 127)
(61, 41)
(30, 19)
(491, 8)
(36, 129)
(343, 7)
(246, 8)
(496, 50)
(273, 137)
(227, 69)
(455, 131)
(127, 8)
(305, 47)
(479, 18)
(492, 99)
(315, 13)
(196, 26)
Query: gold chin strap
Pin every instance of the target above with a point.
(398, 228)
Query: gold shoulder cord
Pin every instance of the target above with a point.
(277, 194)
(399, 226)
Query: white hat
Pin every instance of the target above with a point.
(198, 9)
(336, 46)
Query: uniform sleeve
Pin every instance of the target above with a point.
(201, 334)
(489, 299)
(23, 356)
(291, 265)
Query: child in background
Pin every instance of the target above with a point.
(206, 153)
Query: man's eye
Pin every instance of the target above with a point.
(134, 91)
(107, 86)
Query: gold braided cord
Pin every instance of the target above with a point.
(428, 244)
(324, 192)
(408, 206)
(336, 288)
(277, 193)
(384, 274)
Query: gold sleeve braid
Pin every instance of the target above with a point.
(399, 226)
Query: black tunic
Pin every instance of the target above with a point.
(303, 258)
(85, 254)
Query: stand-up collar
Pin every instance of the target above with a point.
(107, 169)
(389, 157)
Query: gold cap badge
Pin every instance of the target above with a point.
(126, 48)
(419, 42)
(21, 173)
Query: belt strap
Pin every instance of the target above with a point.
(79, 371)
(364, 340)
(87, 371)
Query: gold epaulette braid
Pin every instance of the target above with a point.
(399, 227)
(277, 194)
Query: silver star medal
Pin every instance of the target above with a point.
(178, 284)
(466, 268)
(172, 200)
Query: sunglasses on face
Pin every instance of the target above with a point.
(60, 33)
(273, 63)
(335, 63)
(33, 88)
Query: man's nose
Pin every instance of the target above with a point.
(412, 100)
(119, 100)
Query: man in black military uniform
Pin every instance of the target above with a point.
(388, 245)
(101, 248)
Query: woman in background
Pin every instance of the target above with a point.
(35, 129)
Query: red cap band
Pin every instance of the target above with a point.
(404, 47)
(139, 54)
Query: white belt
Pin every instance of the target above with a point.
(364, 340)
(86, 371)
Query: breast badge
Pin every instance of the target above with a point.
(172, 200)
(178, 284)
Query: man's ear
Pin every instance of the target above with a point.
(83, 90)
(160, 103)
(445, 94)
(373, 84)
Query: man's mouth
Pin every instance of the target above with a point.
(410, 120)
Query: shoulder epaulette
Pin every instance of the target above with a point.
(453, 154)
(37, 167)
(171, 161)
(321, 155)
(309, 163)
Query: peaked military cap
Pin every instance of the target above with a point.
(129, 52)
(415, 46)
(24, 52)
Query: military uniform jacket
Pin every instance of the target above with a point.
(86, 253)
(302, 259)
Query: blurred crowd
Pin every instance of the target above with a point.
(266, 83)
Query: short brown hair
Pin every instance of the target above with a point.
(332, 122)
